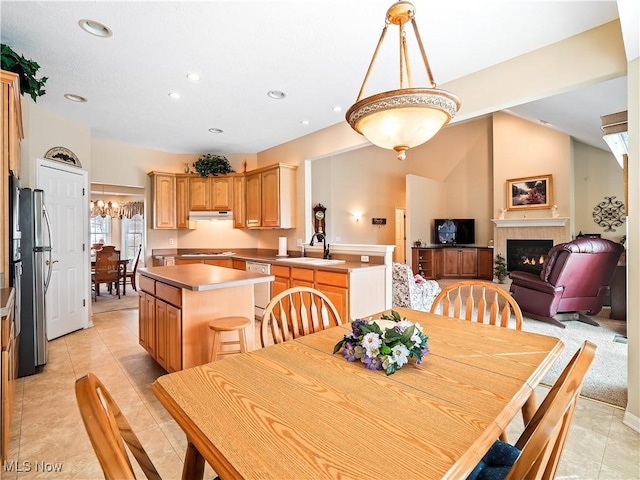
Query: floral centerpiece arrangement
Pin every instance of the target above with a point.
(385, 344)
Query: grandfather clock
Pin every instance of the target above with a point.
(318, 218)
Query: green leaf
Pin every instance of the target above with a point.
(385, 349)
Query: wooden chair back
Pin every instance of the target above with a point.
(296, 312)
(109, 431)
(107, 265)
(478, 301)
(544, 437)
(132, 274)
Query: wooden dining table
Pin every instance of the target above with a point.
(296, 410)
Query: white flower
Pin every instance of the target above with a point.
(371, 342)
(403, 324)
(400, 354)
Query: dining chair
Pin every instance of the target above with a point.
(478, 301)
(296, 312)
(483, 302)
(109, 431)
(131, 276)
(537, 452)
(107, 270)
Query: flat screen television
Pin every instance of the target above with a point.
(454, 231)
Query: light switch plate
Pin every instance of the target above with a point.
(364, 258)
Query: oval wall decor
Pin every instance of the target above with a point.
(609, 213)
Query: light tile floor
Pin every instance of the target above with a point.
(47, 427)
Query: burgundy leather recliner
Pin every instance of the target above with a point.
(575, 278)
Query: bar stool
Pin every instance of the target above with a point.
(228, 324)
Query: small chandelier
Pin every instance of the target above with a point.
(102, 209)
(407, 117)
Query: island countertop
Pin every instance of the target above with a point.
(201, 277)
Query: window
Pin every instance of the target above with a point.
(132, 236)
(100, 230)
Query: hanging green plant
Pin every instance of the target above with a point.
(210, 164)
(500, 270)
(26, 70)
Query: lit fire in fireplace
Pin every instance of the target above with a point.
(533, 261)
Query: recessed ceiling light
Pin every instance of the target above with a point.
(174, 95)
(75, 98)
(337, 108)
(95, 28)
(304, 122)
(194, 77)
(216, 130)
(276, 94)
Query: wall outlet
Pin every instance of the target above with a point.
(364, 258)
(299, 242)
(172, 241)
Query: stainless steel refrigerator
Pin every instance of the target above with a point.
(35, 248)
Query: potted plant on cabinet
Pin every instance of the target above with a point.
(210, 164)
(26, 70)
(500, 270)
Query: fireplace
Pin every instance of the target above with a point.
(527, 255)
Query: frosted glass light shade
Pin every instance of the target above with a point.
(403, 119)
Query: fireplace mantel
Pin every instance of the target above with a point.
(530, 222)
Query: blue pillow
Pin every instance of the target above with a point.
(496, 463)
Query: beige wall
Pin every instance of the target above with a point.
(597, 175)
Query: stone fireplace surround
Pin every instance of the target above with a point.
(556, 229)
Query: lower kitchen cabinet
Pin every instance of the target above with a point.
(282, 280)
(9, 377)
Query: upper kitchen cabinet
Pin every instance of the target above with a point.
(271, 197)
(182, 201)
(239, 205)
(163, 198)
(210, 193)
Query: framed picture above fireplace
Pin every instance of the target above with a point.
(530, 192)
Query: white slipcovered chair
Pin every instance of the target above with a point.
(411, 294)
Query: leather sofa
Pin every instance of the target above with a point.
(575, 278)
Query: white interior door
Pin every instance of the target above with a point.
(65, 189)
(399, 253)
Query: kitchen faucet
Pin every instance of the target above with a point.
(325, 246)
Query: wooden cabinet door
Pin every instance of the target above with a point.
(238, 264)
(339, 296)
(187, 261)
(149, 335)
(219, 262)
(174, 339)
(164, 201)
(161, 333)
(143, 319)
(468, 262)
(239, 206)
(182, 202)
(221, 188)
(271, 198)
(485, 263)
(450, 262)
(199, 194)
(254, 200)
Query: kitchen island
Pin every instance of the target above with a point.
(178, 302)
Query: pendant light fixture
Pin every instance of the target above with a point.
(407, 117)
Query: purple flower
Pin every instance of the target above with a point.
(355, 326)
(372, 363)
(349, 352)
(423, 353)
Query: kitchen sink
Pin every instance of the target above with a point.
(310, 261)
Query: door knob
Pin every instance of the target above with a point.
(46, 262)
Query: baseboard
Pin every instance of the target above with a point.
(631, 421)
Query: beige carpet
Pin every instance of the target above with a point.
(109, 303)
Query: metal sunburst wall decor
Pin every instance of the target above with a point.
(609, 213)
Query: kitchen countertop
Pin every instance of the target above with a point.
(6, 300)
(266, 256)
(201, 277)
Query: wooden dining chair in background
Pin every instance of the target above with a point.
(537, 452)
(472, 300)
(131, 275)
(107, 270)
(296, 312)
(109, 431)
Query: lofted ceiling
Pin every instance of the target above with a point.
(317, 52)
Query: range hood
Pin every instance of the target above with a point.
(211, 215)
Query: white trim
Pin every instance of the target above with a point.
(631, 421)
(530, 222)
